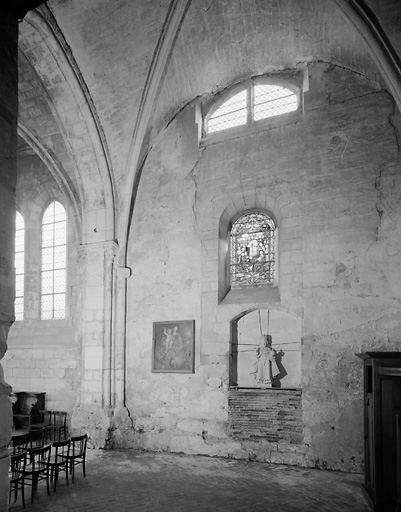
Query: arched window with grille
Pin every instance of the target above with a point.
(19, 266)
(231, 113)
(252, 250)
(54, 262)
(246, 105)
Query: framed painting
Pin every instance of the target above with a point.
(173, 347)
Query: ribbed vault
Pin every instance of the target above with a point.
(99, 80)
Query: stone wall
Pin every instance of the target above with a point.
(332, 182)
(44, 355)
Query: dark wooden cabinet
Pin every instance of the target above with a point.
(382, 416)
(26, 407)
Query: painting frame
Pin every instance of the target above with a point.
(173, 346)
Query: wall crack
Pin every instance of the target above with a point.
(192, 176)
(378, 204)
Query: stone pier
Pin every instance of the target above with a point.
(8, 177)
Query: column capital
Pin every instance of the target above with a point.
(124, 272)
(109, 248)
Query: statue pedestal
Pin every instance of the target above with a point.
(266, 385)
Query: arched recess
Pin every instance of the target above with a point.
(59, 174)
(356, 14)
(225, 227)
(83, 137)
(280, 207)
(247, 329)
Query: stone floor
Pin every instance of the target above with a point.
(161, 482)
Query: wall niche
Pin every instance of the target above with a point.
(247, 332)
(257, 410)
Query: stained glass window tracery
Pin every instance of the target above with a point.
(252, 251)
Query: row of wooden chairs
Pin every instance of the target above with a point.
(27, 441)
(55, 423)
(34, 461)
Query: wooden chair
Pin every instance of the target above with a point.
(58, 428)
(37, 468)
(45, 419)
(16, 476)
(19, 444)
(36, 438)
(59, 460)
(77, 454)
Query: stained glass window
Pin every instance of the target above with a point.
(252, 251)
(54, 262)
(255, 102)
(19, 266)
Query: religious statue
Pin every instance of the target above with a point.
(266, 368)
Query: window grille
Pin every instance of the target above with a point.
(19, 266)
(255, 102)
(273, 100)
(232, 113)
(252, 251)
(54, 262)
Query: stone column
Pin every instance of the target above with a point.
(8, 177)
(93, 412)
(122, 422)
(120, 319)
(6, 421)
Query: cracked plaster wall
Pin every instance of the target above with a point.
(333, 180)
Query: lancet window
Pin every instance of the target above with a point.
(19, 266)
(54, 262)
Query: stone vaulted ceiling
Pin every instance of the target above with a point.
(99, 79)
